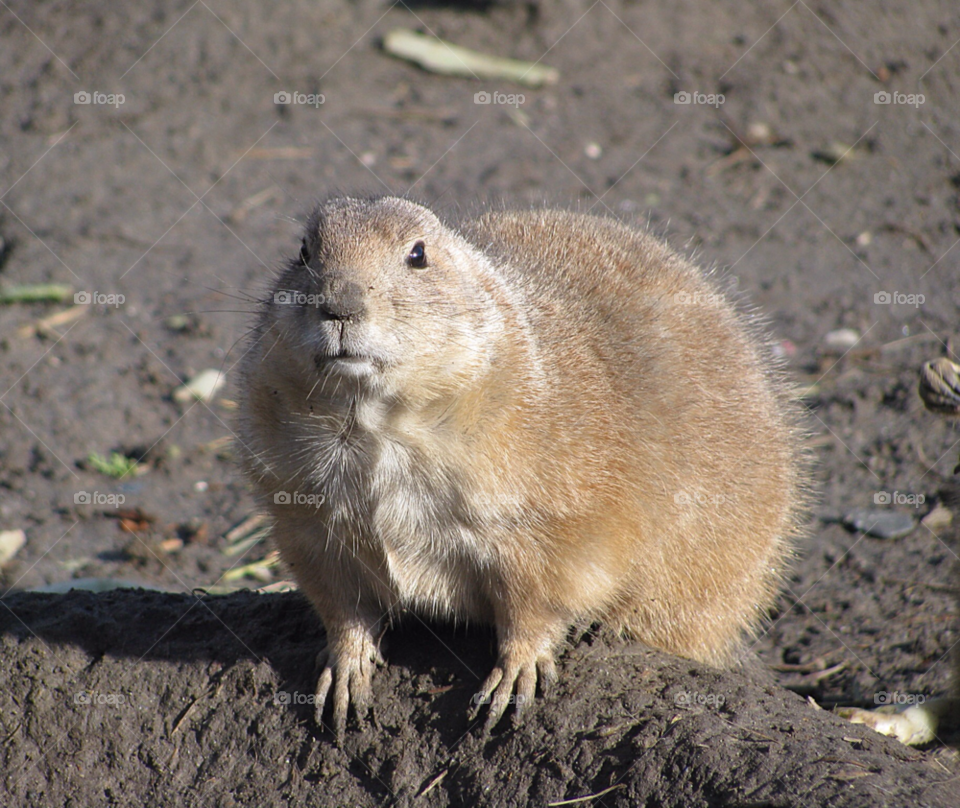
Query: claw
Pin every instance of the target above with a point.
(320, 696)
(498, 688)
(322, 656)
(547, 669)
(348, 664)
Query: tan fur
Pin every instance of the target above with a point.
(560, 420)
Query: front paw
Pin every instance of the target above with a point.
(348, 663)
(513, 671)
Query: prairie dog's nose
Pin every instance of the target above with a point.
(342, 299)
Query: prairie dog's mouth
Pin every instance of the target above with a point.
(345, 363)
(341, 345)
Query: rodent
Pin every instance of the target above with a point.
(529, 419)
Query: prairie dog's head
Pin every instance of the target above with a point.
(383, 293)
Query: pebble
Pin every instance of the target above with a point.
(842, 339)
(760, 134)
(882, 524)
(203, 386)
(835, 152)
(938, 520)
(11, 542)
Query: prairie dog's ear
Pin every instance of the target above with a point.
(393, 206)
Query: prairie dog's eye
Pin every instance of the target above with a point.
(418, 256)
(304, 253)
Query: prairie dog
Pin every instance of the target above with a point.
(531, 420)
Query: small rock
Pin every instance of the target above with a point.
(835, 152)
(938, 520)
(203, 386)
(882, 524)
(178, 322)
(842, 339)
(171, 545)
(11, 542)
(760, 134)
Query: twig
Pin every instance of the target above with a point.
(588, 797)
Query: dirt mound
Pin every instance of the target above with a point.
(135, 697)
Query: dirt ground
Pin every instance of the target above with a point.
(184, 198)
